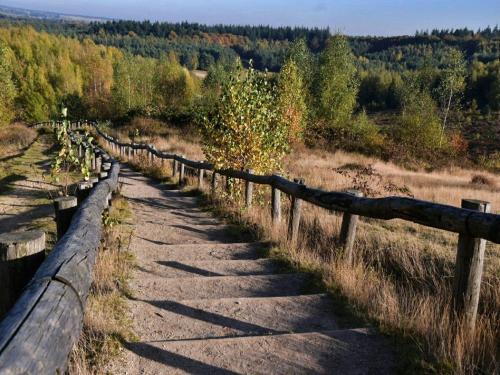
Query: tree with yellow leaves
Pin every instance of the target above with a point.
(291, 101)
(247, 130)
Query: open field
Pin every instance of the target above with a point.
(403, 272)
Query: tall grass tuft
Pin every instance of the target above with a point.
(106, 322)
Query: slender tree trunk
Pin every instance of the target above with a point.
(447, 110)
(129, 92)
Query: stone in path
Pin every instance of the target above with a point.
(206, 303)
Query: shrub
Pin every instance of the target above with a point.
(491, 161)
(366, 134)
(16, 136)
(479, 179)
(291, 100)
(420, 126)
(246, 130)
(142, 126)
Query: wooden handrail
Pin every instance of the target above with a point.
(38, 333)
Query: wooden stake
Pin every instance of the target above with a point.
(469, 269)
(21, 253)
(294, 220)
(248, 191)
(348, 231)
(64, 207)
(275, 206)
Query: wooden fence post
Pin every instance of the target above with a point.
(181, 174)
(103, 175)
(64, 207)
(348, 231)
(294, 219)
(469, 269)
(200, 178)
(213, 185)
(21, 253)
(174, 168)
(106, 167)
(82, 191)
(93, 181)
(248, 191)
(275, 206)
(98, 163)
(93, 161)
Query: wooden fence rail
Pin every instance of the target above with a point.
(473, 221)
(435, 215)
(38, 333)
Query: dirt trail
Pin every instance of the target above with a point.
(24, 202)
(205, 303)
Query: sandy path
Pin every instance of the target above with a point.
(24, 201)
(205, 303)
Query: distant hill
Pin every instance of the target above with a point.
(199, 46)
(44, 15)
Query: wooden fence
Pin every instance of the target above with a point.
(473, 221)
(38, 333)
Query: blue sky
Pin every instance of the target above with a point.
(353, 17)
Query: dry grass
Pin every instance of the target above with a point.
(403, 272)
(164, 137)
(15, 137)
(106, 321)
(400, 279)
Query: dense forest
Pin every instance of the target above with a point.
(429, 88)
(381, 61)
(200, 46)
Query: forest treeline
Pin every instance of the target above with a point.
(324, 96)
(381, 61)
(200, 46)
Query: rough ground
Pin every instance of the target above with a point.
(24, 202)
(205, 303)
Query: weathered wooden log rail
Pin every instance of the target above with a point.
(473, 221)
(38, 333)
